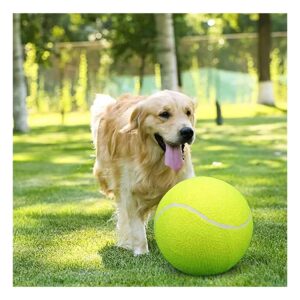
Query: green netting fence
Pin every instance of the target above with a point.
(205, 84)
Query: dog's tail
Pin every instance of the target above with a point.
(99, 106)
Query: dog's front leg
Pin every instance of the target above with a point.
(138, 230)
(123, 226)
(131, 226)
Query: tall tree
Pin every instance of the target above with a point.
(265, 94)
(131, 35)
(166, 53)
(19, 90)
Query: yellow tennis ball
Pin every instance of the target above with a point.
(203, 226)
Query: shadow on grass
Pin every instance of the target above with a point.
(61, 145)
(160, 272)
(45, 168)
(116, 258)
(56, 223)
(37, 130)
(55, 195)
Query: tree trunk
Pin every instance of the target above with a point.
(177, 40)
(166, 53)
(19, 85)
(142, 71)
(178, 66)
(219, 118)
(265, 93)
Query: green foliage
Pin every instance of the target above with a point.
(278, 75)
(66, 96)
(132, 40)
(65, 57)
(104, 71)
(31, 69)
(81, 88)
(279, 22)
(157, 76)
(44, 99)
(131, 34)
(127, 41)
(211, 24)
(44, 30)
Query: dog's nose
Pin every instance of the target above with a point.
(186, 133)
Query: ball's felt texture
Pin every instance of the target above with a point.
(203, 226)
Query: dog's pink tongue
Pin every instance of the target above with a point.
(173, 157)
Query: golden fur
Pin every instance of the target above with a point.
(129, 162)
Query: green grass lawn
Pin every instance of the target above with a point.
(64, 229)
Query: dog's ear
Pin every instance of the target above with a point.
(134, 120)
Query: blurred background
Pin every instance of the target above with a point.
(62, 60)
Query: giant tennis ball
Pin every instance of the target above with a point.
(203, 226)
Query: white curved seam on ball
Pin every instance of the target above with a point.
(204, 217)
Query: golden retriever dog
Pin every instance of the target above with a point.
(142, 150)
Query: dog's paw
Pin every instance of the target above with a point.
(140, 250)
(125, 244)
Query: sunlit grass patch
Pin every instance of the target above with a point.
(208, 110)
(48, 119)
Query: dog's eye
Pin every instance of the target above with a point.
(165, 115)
(188, 113)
